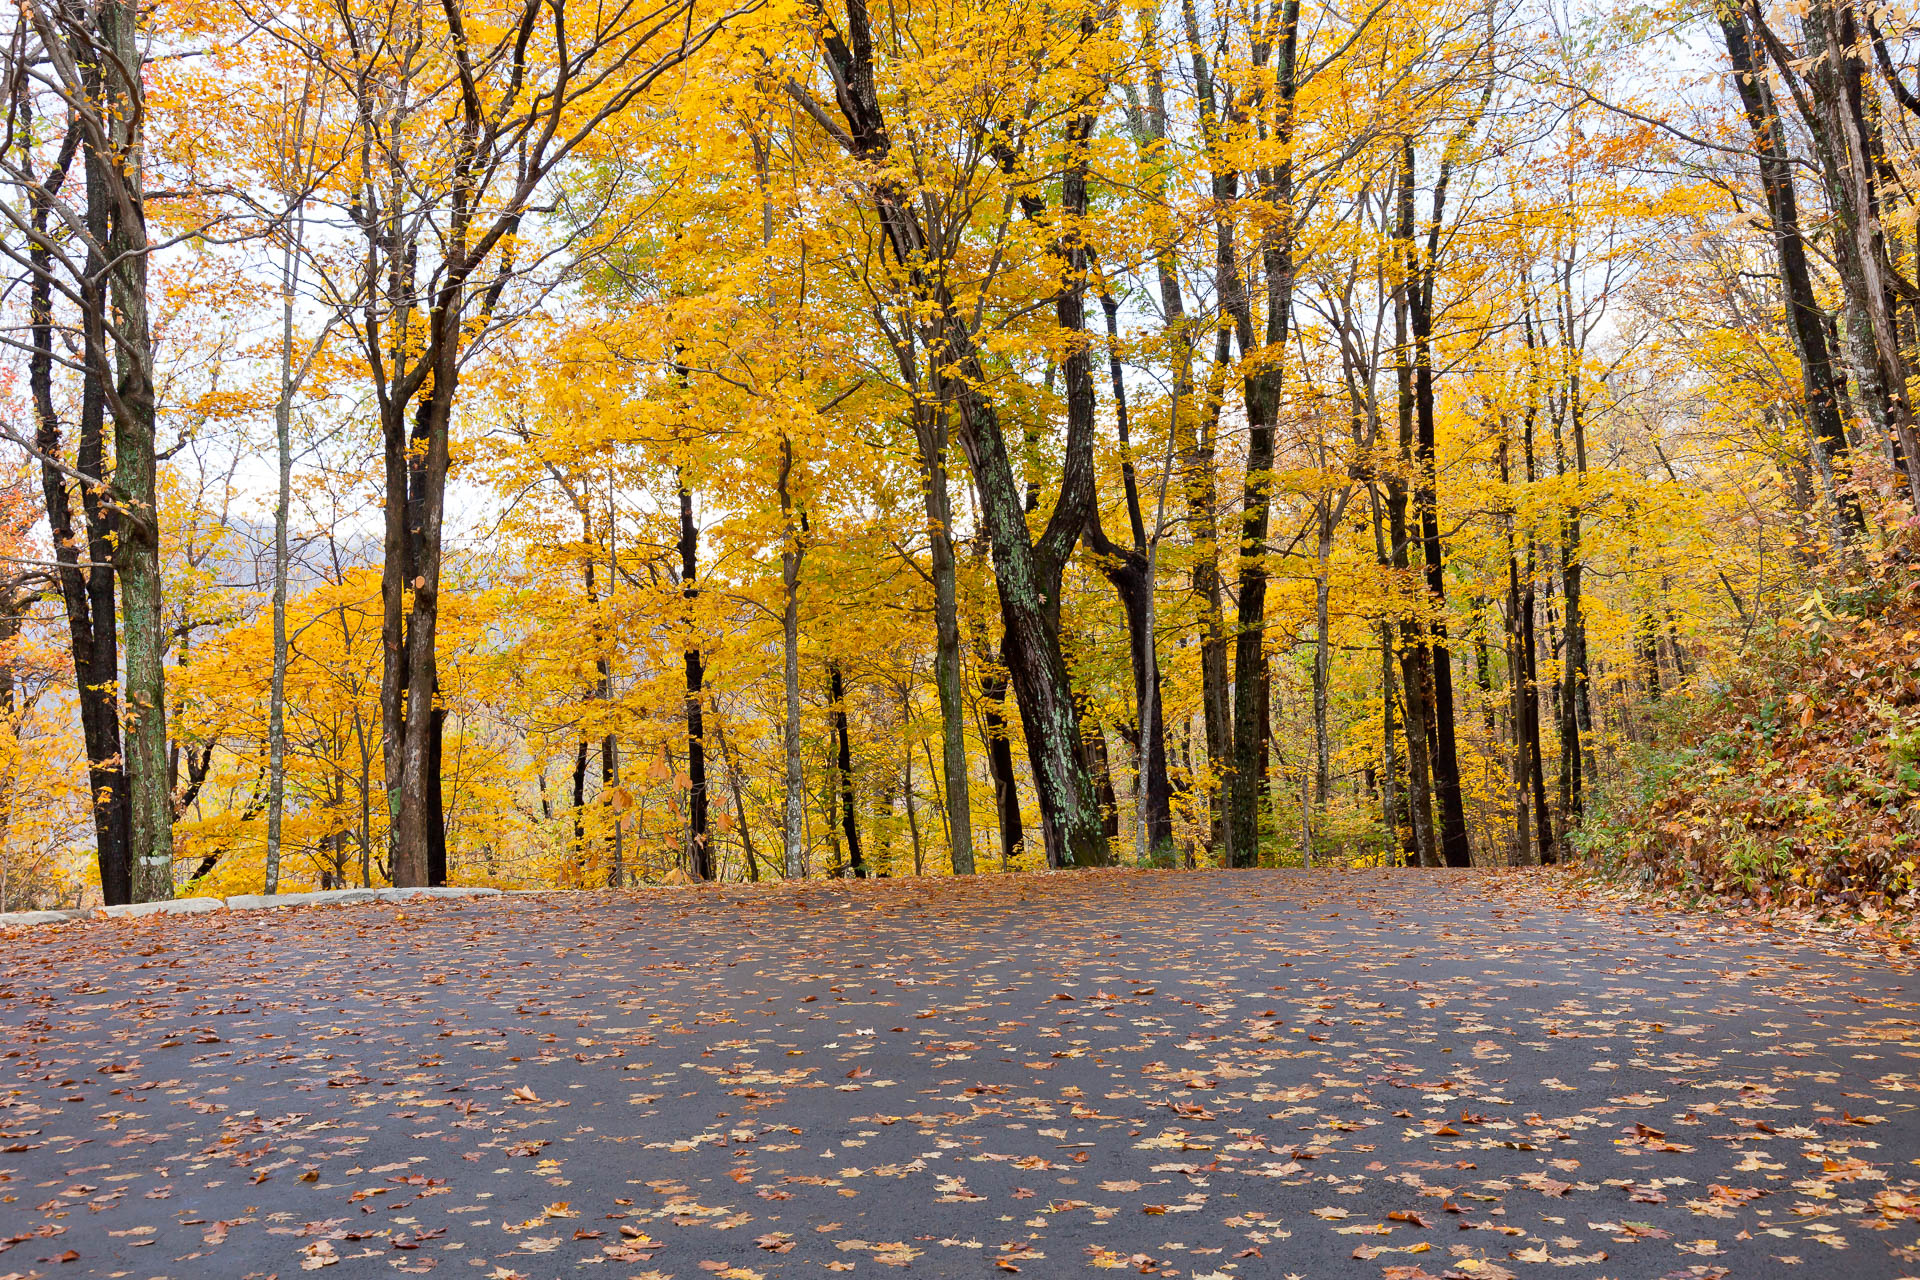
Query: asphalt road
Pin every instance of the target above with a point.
(1217, 1074)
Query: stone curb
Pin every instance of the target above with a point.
(167, 907)
(240, 902)
(263, 902)
(39, 917)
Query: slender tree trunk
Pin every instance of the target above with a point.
(931, 432)
(1573, 656)
(1520, 692)
(1543, 824)
(843, 769)
(436, 776)
(277, 696)
(793, 827)
(1389, 748)
(1130, 571)
(751, 863)
(913, 817)
(1454, 850)
(1203, 506)
(699, 847)
(1322, 654)
(580, 810)
(610, 785)
(1006, 794)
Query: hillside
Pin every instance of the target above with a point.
(1797, 781)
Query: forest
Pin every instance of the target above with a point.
(546, 444)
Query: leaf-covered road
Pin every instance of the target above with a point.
(1243, 1074)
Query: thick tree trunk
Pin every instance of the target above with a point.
(425, 465)
(396, 572)
(134, 483)
(1249, 654)
(1412, 626)
(1101, 768)
(1845, 141)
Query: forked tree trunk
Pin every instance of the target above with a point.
(83, 556)
(1036, 667)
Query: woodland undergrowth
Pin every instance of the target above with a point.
(1795, 783)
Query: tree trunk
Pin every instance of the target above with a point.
(699, 847)
(750, 864)
(793, 810)
(85, 564)
(1100, 767)
(1847, 146)
(426, 464)
(1412, 627)
(843, 770)
(1454, 850)
(1518, 691)
(1389, 752)
(913, 817)
(277, 694)
(1261, 391)
(580, 810)
(436, 810)
(930, 431)
(1322, 654)
(1805, 319)
(1006, 794)
(1025, 573)
(1129, 571)
(137, 551)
